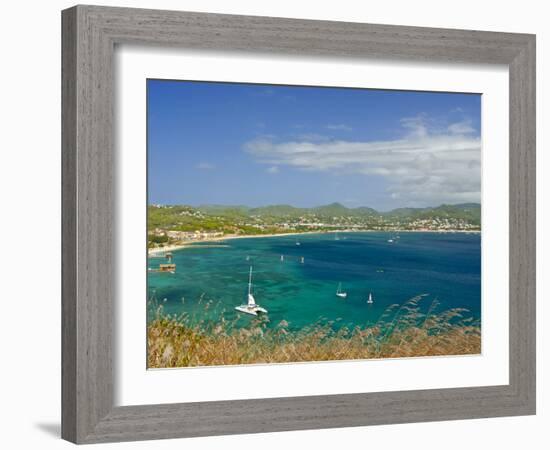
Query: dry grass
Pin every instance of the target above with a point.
(402, 331)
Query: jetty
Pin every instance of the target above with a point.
(169, 266)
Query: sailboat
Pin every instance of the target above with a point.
(339, 291)
(250, 307)
(370, 300)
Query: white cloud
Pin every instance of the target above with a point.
(313, 137)
(422, 168)
(416, 126)
(339, 127)
(464, 127)
(205, 166)
(273, 169)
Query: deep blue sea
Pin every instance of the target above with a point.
(445, 266)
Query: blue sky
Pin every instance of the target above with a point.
(244, 144)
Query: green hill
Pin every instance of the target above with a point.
(244, 219)
(277, 211)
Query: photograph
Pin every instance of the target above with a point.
(263, 225)
(291, 224)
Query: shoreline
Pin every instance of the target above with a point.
(170, 248)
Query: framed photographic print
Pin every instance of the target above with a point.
(267, 222)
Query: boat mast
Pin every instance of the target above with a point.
(250, 281)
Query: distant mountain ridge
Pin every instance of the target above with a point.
(470, 210)
(241, 219)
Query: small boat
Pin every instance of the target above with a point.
(298, 242)
(340, 293)
(370, 300)
(247, 258)
(302, 260)
(336, 237)
(251, 307)
(282, 258)
(390, 240)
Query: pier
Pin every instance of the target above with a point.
(169, 266)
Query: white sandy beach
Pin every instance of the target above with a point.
(169, 248)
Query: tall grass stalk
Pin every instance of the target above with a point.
(402, 331)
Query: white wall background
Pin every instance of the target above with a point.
(30, 225)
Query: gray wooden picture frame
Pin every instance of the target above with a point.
(90, 34)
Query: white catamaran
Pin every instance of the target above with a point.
(339, 291)
(250, 307)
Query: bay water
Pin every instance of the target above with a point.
(295, 277)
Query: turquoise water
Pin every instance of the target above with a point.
(446, 266)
